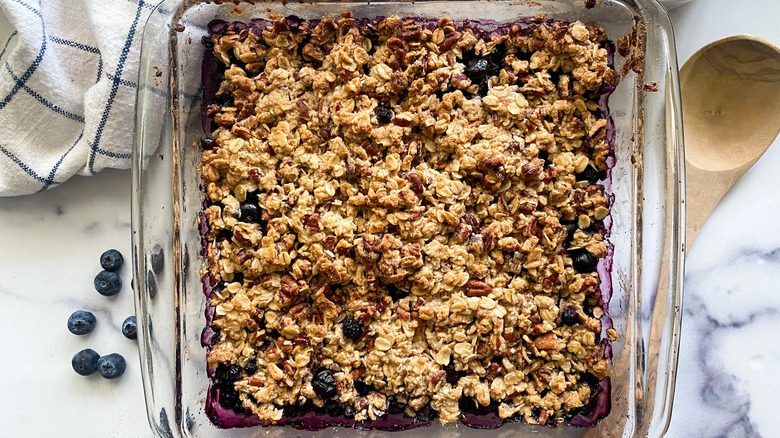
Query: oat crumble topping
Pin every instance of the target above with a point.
(403, 211)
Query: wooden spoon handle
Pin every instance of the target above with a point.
(703, 191)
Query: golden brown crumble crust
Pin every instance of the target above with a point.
(459, 207)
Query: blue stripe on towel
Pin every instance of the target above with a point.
(95, 145)
(45, 102)
(30, 70)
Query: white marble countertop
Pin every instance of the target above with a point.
(728, 381)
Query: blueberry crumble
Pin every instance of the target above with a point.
(403, 221)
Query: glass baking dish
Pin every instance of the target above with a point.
(647, 183)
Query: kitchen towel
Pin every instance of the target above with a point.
(68, 79)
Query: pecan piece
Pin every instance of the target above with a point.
(492, 160)
(532, 169)
(462, 232)
(436, 376)
(449, 41)
(417, 184)
(477, 288)
(313, 223)
(472, 220)
(546, 341)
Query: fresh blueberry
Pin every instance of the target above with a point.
(570, 316)
(129, 328)
(81, 322)
(583, 261)
(108, 283)
(351, 328)
(590, 174)
(250, 213)
(157, 258)
(111, 260)
(384, 115)
(85, 362)
(324, 384)
(111, 366)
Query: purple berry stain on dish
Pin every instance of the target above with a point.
(222, 404)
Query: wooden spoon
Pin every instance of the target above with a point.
(731, 115)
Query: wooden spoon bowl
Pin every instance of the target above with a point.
(731, 115)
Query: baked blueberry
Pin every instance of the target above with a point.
(395, 406)
(111, 366)
(234, 372)
(362, 389)
(324, 384)
(570, 316)
(221, 373)
(351, 328)
(477, 69)
(467, 404)
(108, 283)
(384, 115)
(453, 375)
(208, 143)
(157, 258)
(217, 26)
(292, 411)
(395, 292)
(425, 414)
(536, 411)
(334, 408)
(251, 367)
(228, 398)
(583, 261)
(111, 260)
(590, 174)
(250, 213)
(129, 327)
(81, 322)
(85, 362)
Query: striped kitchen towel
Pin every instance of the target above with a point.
(68, 78)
